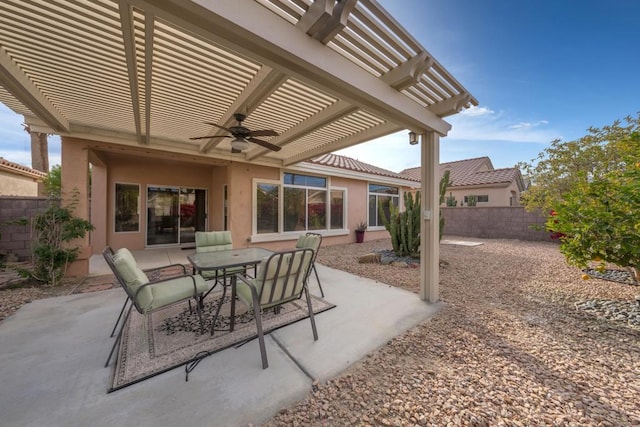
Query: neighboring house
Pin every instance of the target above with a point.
(18, 180)
(477, 177)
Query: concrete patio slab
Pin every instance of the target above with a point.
(53, 352)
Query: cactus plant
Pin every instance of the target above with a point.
(404, 227)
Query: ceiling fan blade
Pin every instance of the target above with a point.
(211, 136)
(264, 132)
(264, 144)
(218, 126)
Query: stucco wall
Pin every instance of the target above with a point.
(17, 185)
(16, 239)
(150, 172)
(498, 196)
(494, 223)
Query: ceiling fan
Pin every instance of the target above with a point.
(242, 135)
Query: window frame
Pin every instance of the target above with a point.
(281, 235)
(115, 206)
(369, 194)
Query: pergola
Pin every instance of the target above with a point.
(146, 75)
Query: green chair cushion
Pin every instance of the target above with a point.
(267, 279)
(210, 241)
(308, 241)
(174, 290)
(132, 275)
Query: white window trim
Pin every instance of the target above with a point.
(400, 203)
(293, 235)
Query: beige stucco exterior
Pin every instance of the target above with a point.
(146, 168)
(499, 195)
(19, 180)
(12, 184)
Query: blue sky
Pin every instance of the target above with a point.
(540, 70)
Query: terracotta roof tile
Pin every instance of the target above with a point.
(18, 168)
(344, 162)
(477, 171)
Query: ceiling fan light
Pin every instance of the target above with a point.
(239, 144)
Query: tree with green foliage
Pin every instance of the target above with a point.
(599, 219)
(53, 182)
(565, 164)
(592, 187)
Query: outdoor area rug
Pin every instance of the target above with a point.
(171, 337)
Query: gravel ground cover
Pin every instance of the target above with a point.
(522, 340)
(511, 347)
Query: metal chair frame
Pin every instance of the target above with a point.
(313, 261)
(292, 279)
(108, 254)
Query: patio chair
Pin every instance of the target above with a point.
(146, 296)
(312, 241)
(149, 272)
(211, 241)
(281, 278)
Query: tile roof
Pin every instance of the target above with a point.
(20, 169)
(344, 162)
(477, 171)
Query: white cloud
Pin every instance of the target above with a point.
(484, 124)
(474, 111)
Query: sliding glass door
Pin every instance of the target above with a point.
(174, 215)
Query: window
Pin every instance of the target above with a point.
(337, 209)
(479, 199)
(303, 202)
(381, 196)
(267, 207)
(127, 208)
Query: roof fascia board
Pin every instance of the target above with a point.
(282, 46)
(17, 171)
(492, 185)
(22, 88)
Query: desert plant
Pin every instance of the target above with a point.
(361, 226)
(565, 165)
(53, 232)
(451, 201)
(445, 182)
(404, 227)
(598, 218)
(472, 200)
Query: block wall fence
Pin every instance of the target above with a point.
(16, 239)
(481, 222)
(494, 223)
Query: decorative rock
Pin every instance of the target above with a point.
(371, 258)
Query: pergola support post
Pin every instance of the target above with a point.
(430, 227)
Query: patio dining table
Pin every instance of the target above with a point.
(222, 261)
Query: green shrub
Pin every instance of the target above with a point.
(598, 218)
(53, 231)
